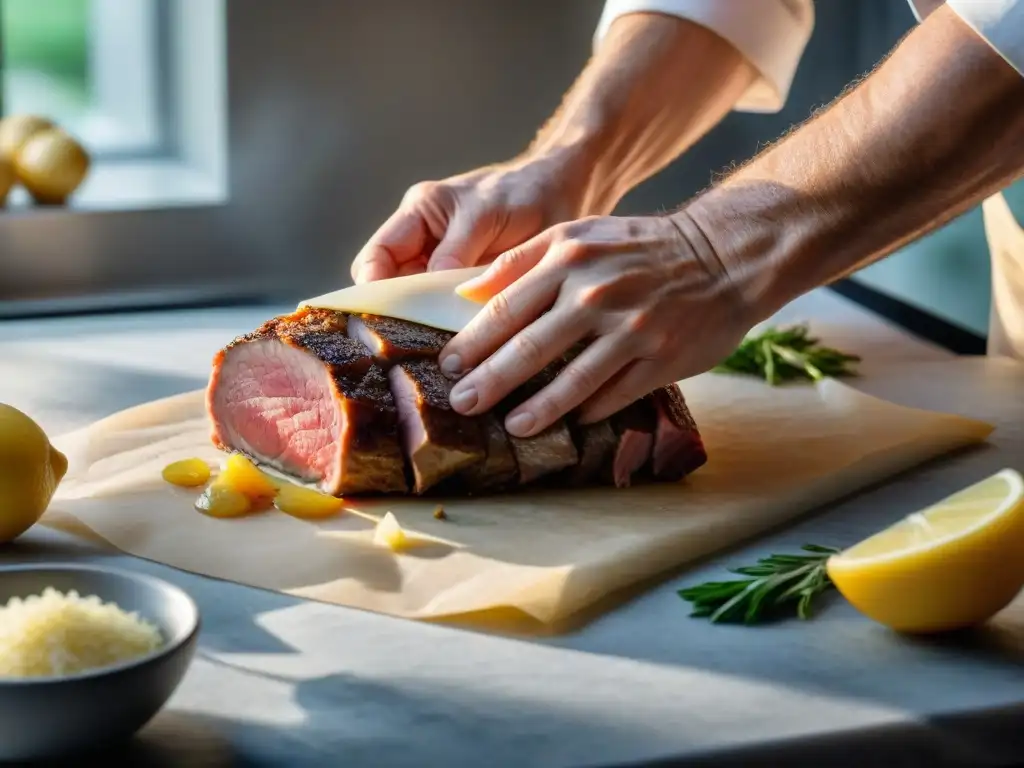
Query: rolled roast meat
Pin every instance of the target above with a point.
(357, 405)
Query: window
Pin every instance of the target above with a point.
(116, 74)
(318, 112)
(94, 66)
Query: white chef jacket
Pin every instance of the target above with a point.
(772, 35)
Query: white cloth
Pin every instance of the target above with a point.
(772, 35)
(999, 22)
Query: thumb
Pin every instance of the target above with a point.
(398, 243)
(506, 269)
(464, 242)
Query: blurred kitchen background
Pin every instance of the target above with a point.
(245, 149)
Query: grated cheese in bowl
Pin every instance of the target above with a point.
(57, 634)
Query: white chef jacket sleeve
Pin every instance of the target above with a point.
(999, 22)
(771, 34)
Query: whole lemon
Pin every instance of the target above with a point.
(30, 470)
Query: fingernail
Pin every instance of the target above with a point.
(463, 398)
(520, 424)
(442, 264)
(451, 365)
(470, 289)
(470, 284)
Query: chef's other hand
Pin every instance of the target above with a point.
(652, 310)
(469, 219)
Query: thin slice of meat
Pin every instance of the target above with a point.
(596, 445)
(370, 461)
(549, 451)
(499, 471)
(393, 341)
(438, 442)
(543, 454)
(678, 448)
(298, 395)
(635, 426)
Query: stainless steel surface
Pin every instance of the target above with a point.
(65, 717)
(279, 681)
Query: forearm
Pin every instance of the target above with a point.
(937, 128)
(656, 84)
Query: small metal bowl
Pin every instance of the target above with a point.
(43, 718)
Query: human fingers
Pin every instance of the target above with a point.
(506, 269)
(463, 242)
(523, 356)
(414, 267)
(639, 378)
(574, 384)
(399, 241)
(504, 315)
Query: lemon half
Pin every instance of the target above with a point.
(950, 566)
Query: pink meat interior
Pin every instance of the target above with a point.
(357, 330)
(678, 451)
(631, 454)
(403, 389)
(276, 403)
(672, 445)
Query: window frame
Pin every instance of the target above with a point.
(140, 106)
(320, 119)
(181, 167)
(127, 70)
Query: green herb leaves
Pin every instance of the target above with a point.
(771, 588)
(785, 354)
(777, 584)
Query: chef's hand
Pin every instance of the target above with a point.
(654, 311)
(469, 219)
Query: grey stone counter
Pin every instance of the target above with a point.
(281, 681)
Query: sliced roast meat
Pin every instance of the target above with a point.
(392, 341)
(678, 448)
(395, 341)
(298, 395)
(543, 454)
(634, 426)
(499, 470)
(367, 448)
(596, 444)
(438, 442)
(549, 451)
(358, 405)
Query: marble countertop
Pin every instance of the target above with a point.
(282, 681)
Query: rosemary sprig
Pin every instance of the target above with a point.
(772, 585)
(785, 354)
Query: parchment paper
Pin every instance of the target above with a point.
(775, 453)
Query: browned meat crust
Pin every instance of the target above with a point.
(654, 438)
(373, 456)
(439, 442)
(394, 340)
